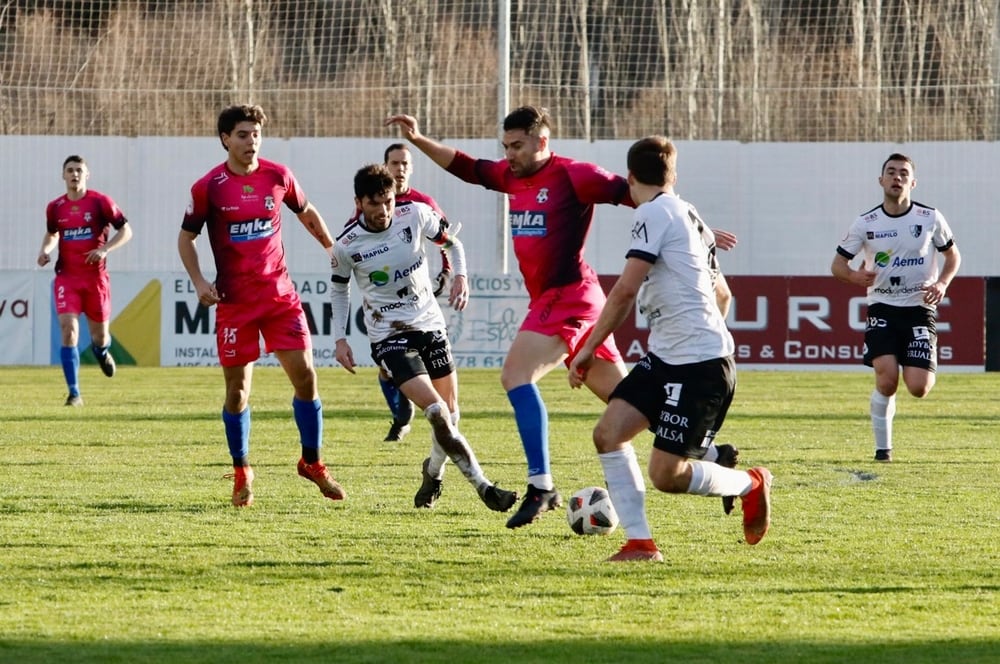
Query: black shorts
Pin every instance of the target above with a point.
(414, 354)
(908, 333)
(685, 404)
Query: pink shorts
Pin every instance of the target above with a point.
(239, 327)
(569, 312)
(89, 295)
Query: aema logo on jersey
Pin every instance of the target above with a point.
(81, 233)
(527, 224)
(882, 258)
(255, 229)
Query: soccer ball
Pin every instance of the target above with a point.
(590, 512)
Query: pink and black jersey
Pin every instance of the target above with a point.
(550, 213)
(243, 216)
(82, 225)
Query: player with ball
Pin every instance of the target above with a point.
(682, 389)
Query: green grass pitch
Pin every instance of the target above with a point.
(118, 542)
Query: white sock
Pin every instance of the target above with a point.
(438, 458)
(711, 454)
(628, 491)
(469, 465)
(456, 447)
(883, 409)
(543, 481)
(711, 479)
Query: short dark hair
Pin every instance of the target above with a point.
(653, 160)
(896, 156)
(394, 146)
(373, 180)
(532, 119)
(71, 158)
(233, 115)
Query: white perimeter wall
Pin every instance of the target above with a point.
(789, 203)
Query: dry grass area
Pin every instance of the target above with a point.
(825, 70)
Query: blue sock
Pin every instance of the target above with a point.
(533, 425)
(309, 419)
(70, 356)
(404, 408)
(391, 394)
(238, 435)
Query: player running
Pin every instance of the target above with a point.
(397, 159)
(552, 201)
(682, 388)
(386, 252)
(79, 222)
(900, 240)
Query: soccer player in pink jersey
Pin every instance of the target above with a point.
(552, 201)
(239, 204)
(79, 222)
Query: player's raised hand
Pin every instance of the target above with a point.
(406, 123)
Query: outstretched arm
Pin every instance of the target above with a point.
(440, 154)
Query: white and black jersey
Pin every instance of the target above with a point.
(901, 250)
(678, 296)
(390, 267)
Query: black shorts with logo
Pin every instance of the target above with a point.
(685, 404)
(410, 354)
(908, 333)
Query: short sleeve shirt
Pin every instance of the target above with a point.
(390, 268)
(551, 212)
(242, 214)
(902, 250)
(82, 225)
(678, 296)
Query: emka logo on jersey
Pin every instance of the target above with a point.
(528, 224)
(255, 229)
(81, 233)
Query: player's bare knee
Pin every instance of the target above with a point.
(669, 483)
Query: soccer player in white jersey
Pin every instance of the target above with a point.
(900, 240)
(386, 251)
(682, 388)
